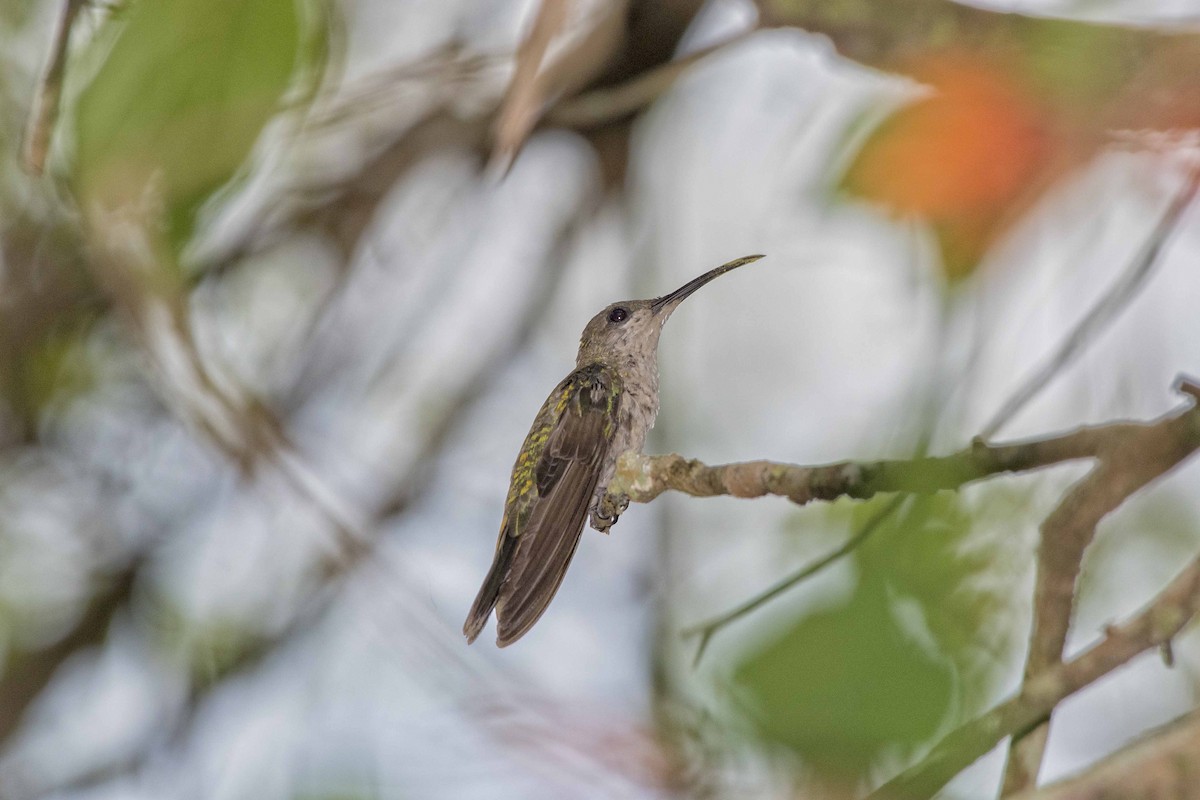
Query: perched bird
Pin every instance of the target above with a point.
(601, 410)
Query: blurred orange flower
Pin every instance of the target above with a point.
(961, 158)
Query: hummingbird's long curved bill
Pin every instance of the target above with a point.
(668, 302)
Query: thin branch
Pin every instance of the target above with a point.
(642, 478)
(44, 113)
(706, 630)
(1152, 448)
(539, 80)
(858, 31)
(601, 106)
(1158, 766)
(449, 67)
(1114, 301)
(1155, 625)
(1065, 536)
(129, 264)
(26, 674)
(1131, 464)
(523, 102)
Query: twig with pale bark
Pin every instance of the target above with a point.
(1128, 456)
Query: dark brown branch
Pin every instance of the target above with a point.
(1155, 625)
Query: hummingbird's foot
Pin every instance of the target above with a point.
(608, 511)
(602, 523)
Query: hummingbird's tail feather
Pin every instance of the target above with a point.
(518, 612)
(485, 601)
(553, 485)
(545, 547)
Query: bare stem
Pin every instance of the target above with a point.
(1125, 468)
(45, 103)
(1159, 766)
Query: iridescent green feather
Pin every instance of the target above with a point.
(522, 488)
(554, 481)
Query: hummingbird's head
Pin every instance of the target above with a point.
(629, 330)
(622, 331)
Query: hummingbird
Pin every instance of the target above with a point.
(601, 410)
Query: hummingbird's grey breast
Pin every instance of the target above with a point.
(636, 414)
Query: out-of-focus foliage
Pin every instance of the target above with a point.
(947, 554)
(53, 368)
(959, 158)
(845, 684)
(1077, 67)
(180, 99)
(1005, 120)
(877, 675)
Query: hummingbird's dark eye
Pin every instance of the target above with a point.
(618, 314)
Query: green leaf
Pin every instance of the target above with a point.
(181, 98)
(844, 685)
(922, 636)
(930, 556)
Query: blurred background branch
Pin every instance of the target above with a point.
(1104, 312)
(49, 92)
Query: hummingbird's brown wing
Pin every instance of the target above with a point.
(540, 537)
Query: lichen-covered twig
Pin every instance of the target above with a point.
(642, 478)
(1130, 455)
